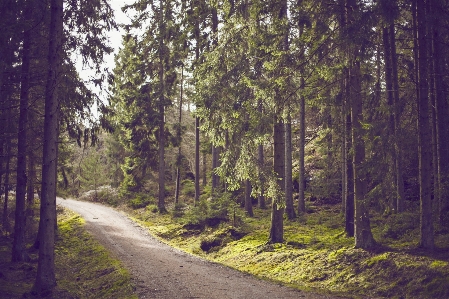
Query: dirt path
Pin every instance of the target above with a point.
(160, 271)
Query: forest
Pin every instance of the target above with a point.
(223, 113)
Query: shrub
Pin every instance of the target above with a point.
(188, 188)
(179, 210)
(140, 201)
(398, 225)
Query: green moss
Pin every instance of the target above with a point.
(438, 264)
(85, 268)
(316, 254)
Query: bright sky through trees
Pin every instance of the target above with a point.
(115, 40)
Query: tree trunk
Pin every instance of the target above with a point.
(161, 170)
(179, 135)
(45, 278)
(19, 253)
(277, 211)
(390, 103)
(302, 145)
(362, 230)
(290, 210)
(204, 173)
(261, 197)
(31, 177)
(5, 223)
(442, 115)
(349, 194)
(215, 164)
(277, 206)
(248, 200)
(197, 122)
(400, 193)
(424, 131)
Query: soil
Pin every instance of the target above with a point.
(160, 271)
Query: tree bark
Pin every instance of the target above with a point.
(5, 223)
(277, 209)
(289, 209)
(248, 200)
(197, 122)
(400, 193)
(215, 164)
(302, 145)
(349, 193)
(45, 278)
(261, 161)
(390, 103)
(19, 253)
(277, 205)
(424, 131)
(362, 230)
(179, 135)
(161, 168)
(442, 116)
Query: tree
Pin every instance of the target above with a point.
(424, 132)
(19, 251)
(45, 278)
(362, 231)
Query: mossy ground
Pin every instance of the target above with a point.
(317, 255)
(84, 269)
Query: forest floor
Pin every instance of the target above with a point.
(316, 254)
(161, 271)
(316, 257)
(84, 268)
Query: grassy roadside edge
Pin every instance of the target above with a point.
(84, 268)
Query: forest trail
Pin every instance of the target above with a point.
(160, 271)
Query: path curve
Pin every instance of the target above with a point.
(162, 272)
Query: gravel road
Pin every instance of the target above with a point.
(160, 271)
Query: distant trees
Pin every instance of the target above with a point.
(337, 101)
(333, 78)
(41, 94)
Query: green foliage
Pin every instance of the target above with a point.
(85, 267)
(141, 201)
(220, 238)
(188, 188)
(316, 255)
(398, 225)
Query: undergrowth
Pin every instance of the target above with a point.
(84, 269)
(316, 254)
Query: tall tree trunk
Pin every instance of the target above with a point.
(215, 164)
(161, 170)
(204, 172)
(261, 161)
(31, 177)
(390, 96)
(400, 193)
(197, 122)
(302, 146)
(424, 131)
(5, 223)
(362, 230)
(442, 115)
(45, 278)
(277, 210)
(289, 209)
(248, 200)
(179, 136)
(19, 253)
(349, 172)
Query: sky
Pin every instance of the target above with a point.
(115, 39)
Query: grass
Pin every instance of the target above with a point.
(316, 254)
(84, 269)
